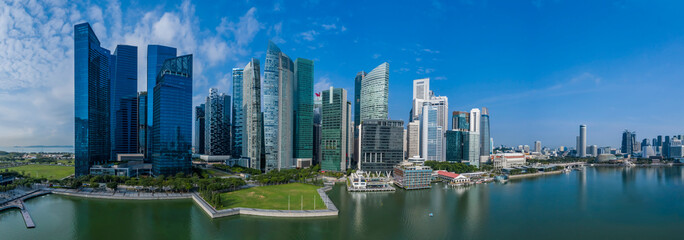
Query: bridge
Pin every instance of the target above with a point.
(572, 164)
(18, 202)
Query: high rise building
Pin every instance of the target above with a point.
(172, 124)
(278, 108)
(431, 134)
(334, 127)
(318, 103)
(142, 123)
(665, 149)
(92, 79)
(124, 101)
(303, 111)
(381, 145)
(442, 104)
(200, 128)
(473, 143)
(583, 141)
(537, 146)
(237, 121)
(460, 121)
(593, 150)
(217, 124)
(357, 113)
(413, 138)
(374, 94)
(485, 147)
(628, 142)
(156, 55)
(252, 133)
(421, 93)
(455, 145)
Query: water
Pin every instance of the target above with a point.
(599, 203)
(33, 149)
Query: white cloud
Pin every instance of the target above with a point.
(329, 26)
(309, 35)
(323, 83)
(376, 56)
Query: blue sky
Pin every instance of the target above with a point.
(541, 67)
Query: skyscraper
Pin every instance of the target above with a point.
(460, 121)
(217, 124)
(537, 146)
(374, 94)
(278, 108)
(172, 124)
(142, 123)
(237, 121)
(156, 55)
(485, 147)
(318, 103)
(628, 140)
(442, 104)
(124, 101)
(382, 145)
(455, 145)
(334, 129)
(357, 112)
(252, 133)
(431, 134)
(92, 79)
(200, 128)
(303, 111)
(413, 138)
(583, 141)
(473, 143)
(421, 93)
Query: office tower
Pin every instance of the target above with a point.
(318, 103)
(357, 112)
(405, 143)
(156, 55)
(334, 117)
(124, 101)
(455, 142)
(537, 146)
(665, 149)
(252, 133)
(278, 108)
(217, 126)
(172, 124)
(460, 121)
(485, 148)
(583, 141)
(431, 134)
(381, 145)
(593, 150)
(421, 93)
(645, 142)
(200, 126)
(442, 104)
(473, 143)
(237, 121)
(349, 136)
(374, 94)
(142, 123)
(413, 138)
(628, 140)
(303, 111)
(92, 81)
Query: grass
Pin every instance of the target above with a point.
(275, 197)
(46, 171)
(217, 173)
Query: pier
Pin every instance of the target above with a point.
(18, 202)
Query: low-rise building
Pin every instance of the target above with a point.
(128, 169)
(452, 178)
(408, 175)
(362, 181)
(508, 160)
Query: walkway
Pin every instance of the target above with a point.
(18, 202)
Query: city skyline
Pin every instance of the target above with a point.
(41, 112)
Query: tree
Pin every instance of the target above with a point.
(112, 185)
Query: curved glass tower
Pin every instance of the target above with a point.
(374, 93)
(252, 130)
(278, 107)
(485, 147)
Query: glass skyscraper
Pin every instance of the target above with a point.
(92, 79)
(381, 145)
(431, 134)
(156, 55)
(334, 123)
(172, 124)
(237, 121)
(252, 134)
(485, 147)
(199, 128)
(278, 108)
(303, 112)
(142, 123)
(374, 94)
(124, 100)
(217, 124)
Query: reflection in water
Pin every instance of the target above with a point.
(582, 187)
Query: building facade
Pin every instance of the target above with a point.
(303, 111)
(124, 101)
(485, 147)
(413, 139)
(156, 55)
(374, 94)
(412, 176)
(431, 134)
(237, 121)
(278, 108)
(334, 128)
(217, 124)
(382, 145)
(199, 128)
(92, 79)
(582, 148)
(172, 131)
(252, 143)
(142, 123)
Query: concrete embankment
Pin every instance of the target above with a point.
(122, 196)
(534, 174)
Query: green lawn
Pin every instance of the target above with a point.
(274, 197)
(46, 171)
(217, 173)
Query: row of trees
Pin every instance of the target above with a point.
(451, 166)
(237, 169)
(289, 175)
(21, 179)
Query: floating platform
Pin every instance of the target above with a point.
(27, 217)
